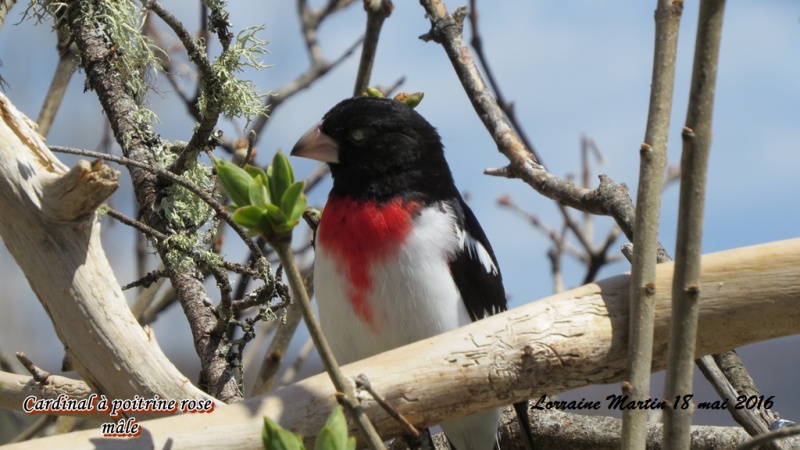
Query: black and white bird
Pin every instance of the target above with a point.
(400, 257)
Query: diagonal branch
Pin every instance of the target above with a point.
(55, 239)
(609, 199)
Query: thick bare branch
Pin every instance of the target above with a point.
(548, 346)
(557, 430)
(55, 239)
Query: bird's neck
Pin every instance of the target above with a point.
(420, 185)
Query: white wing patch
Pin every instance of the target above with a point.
(476, 251)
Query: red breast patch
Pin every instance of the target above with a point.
(360, 234)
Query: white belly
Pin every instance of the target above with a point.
(413, 295)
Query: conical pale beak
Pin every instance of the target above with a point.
(315, 144)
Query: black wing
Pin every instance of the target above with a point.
(475, 268)
(478, 279)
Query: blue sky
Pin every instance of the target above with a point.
(571, 68)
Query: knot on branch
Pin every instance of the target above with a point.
(444, 25)
(79, 192)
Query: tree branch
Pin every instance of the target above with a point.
(556, 430)
(544, 347)
(377, 12)
(139, 143)
(345, 393)
(55, 239)
(694, 168)
(645, 240)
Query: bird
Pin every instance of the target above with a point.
(399, 255)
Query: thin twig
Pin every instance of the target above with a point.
(770, 437)
(309, 22)
(362, 382)
(146, 281)
(645, 241)
(146, 298)
(67, 61)
(208, 81)
(726, 391)
(694, 168)
(39, 375)
(177, 179)
(341, 383)
(138, 225)
(290, 374)
(303, 81)
(196, 54)
(730, 379)
(557, 238)
(189, 102)
(276, 352)
(377, 12)
(35, 428)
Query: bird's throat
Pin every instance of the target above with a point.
(359, 235)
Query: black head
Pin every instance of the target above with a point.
(379, 149)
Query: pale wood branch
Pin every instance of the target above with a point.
(14, 389)
(50, 228)
(562, 342)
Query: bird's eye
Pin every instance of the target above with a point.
(358, 135)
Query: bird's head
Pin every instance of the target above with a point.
(377, 147)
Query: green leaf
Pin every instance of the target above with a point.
(276, 216)
(275, 437)
(334, 434)
(258, 194)
(254, 171)
(410, 100)
(293, 202)
(282, 176)
(372, 92)
(248, 216)
(325, 440)
(234, 181)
